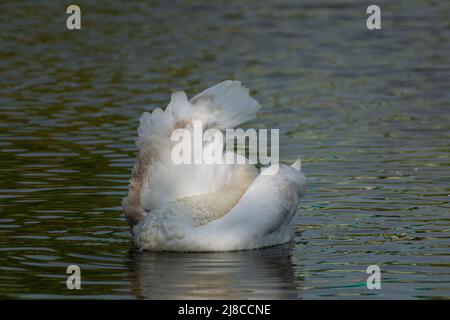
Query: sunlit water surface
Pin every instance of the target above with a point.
(367, 111)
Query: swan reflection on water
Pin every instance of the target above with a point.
(257, 274)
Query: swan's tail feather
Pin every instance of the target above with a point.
(222, 106)
(296, 177)
(159, 124)
(226, 105)
(297, 165)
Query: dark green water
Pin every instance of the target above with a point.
(367, 111)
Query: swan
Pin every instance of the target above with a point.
(207, 207)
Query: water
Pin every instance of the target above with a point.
(367, 111)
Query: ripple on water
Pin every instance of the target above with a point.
(370, 121)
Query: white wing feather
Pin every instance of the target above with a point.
(156, 179)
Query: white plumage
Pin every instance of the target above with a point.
(206, 207)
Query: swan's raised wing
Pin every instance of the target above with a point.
(225, 105)
(155, 178)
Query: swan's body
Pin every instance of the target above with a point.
(206, 207)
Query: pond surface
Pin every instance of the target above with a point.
(367, 111)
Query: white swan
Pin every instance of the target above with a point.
(206, 207)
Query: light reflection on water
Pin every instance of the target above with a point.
(368, 113)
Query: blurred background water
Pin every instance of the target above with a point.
(367, 111)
